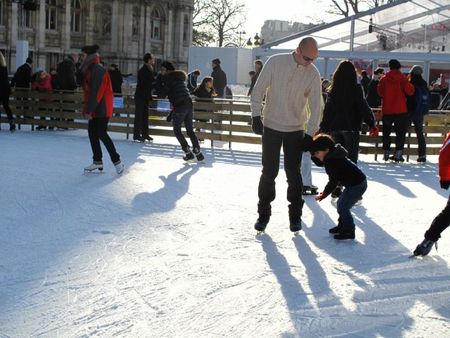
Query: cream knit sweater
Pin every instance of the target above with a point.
(288, 87)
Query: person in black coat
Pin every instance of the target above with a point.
(220, 78)
(339, 170)
(22, 77)
(116, 79)
(181, 102)
(418, 107)
(365, 80)
(372, 97)
(346, 109)
(258, 68)
(5, 91)
(192, 80)
(142, 98)
(66, 74)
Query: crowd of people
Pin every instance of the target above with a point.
(292, 109)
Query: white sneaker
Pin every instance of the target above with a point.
(94, 166)
(119, 167)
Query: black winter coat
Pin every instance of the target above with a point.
(346, 115)
(5, 89)
(66, 75)
(340, 169)
(22, 77)
(372, 97)
(144, 83)
(175, 88)
(220, 80)
(116, 80)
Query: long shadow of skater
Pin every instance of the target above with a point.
(293, 293)
(176, 185)
(391, 283)
(392, 175)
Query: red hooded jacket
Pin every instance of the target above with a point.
(97, 90)
(393, 89)
(444, 160)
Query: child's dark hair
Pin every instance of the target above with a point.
(322, 142)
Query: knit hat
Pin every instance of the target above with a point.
(216, 61)
(92, 49)
(321, 142)
(168, 65)
(416, 70)
(394, 64)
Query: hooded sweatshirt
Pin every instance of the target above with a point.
(393, 89)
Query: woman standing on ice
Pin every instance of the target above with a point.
(98, 108)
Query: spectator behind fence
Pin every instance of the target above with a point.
(22, 77)
(365, 80)
(116, 79)
(5, 91)
(418, 107)
(372, 97)
(192, 80)
(219, 77)
(43, 83)
(142, 98)
(258, 67)
(159, 84)
(393, 89)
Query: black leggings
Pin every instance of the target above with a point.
(97, 130)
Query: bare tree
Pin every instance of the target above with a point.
(350, 7)
(201, 34)
(220, 19)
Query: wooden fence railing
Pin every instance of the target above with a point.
(216, 120)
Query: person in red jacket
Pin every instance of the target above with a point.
(442, 221)
(393, 89)
(98, 108)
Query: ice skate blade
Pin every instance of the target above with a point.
(260, 232)
(296, 233)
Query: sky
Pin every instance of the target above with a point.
(304, 11)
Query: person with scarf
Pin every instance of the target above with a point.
(98, 108)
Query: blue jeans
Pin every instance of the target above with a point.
(346, 201)
(180, 115)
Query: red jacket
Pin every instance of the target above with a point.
(393, 89)
(43, 85)
(97, 90)
(444, 160)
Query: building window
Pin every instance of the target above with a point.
(156, 25)
(185, 28)
(135, 24)
(50, 14)
(75, 19)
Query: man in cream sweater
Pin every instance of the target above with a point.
(288, 81)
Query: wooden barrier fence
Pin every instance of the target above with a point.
(216, 120)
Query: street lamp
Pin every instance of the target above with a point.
(257, 42)
(240, 37)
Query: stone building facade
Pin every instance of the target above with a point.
(124, 29)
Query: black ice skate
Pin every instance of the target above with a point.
(198, 154)
(345, 235)
(335, 230)
(295, 225)
(261, 223)
(188, 155)
(94, 167)
(310, 190)
(425, 247)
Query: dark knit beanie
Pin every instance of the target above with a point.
(92, 49)
(321, 142)
(216, 61)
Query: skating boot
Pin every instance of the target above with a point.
(295, 225)
(198, 154)
(188, 155)
(261, 223)
(345, 235)
(310, 190)
(424, 248)
(335, 230)
(97, 166)
(386, 155)
(119, 167)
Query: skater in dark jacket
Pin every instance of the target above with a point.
(5, 92)
(181, 102)
(442, 221)
(98, 108)
(340, 169)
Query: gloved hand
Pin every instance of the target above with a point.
(320, 197)
(257, 125)
(306, 143)
(445, 184)
(169, 117)
(373, 131)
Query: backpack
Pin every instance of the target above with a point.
(422, 100)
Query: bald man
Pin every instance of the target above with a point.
(288, 81)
